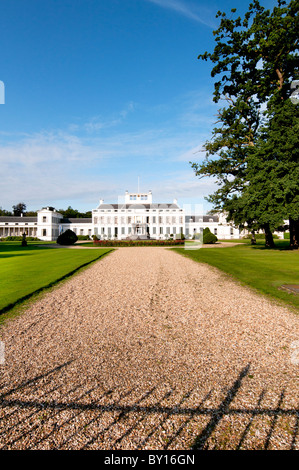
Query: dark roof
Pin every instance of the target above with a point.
(73, 220)
(12, 218)
(201, 218)
(138, 206)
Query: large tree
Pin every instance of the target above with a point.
(256, 62)
(19, 209)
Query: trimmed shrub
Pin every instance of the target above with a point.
(67, 238)
(209, 237)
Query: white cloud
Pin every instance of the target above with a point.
(78, 166)
(200, 14)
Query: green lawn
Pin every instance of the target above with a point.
(262, 269)
(24, 271)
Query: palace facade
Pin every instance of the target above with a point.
(135, 217)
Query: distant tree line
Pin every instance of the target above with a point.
(20, 209)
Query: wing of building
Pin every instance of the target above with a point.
(135, 217)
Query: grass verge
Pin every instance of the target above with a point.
(26, 271)
(264, 270)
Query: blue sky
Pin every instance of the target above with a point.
(101, 92)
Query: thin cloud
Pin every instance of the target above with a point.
(186, 10)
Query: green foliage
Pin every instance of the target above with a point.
(74, 213)
(104, 243)
(209, 237)
(19, 209)
(255, 153)
(19, 238)
(67, 238)
(260, 236)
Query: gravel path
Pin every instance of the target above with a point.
(147, 349)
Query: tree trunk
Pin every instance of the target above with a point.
(253, 240)
(294, 233)
(269, 242)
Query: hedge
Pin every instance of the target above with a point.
(105, 243)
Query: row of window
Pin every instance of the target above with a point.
(200, 230)
(54, 220)
(138, 209)
(17, 223)
(103, 220)
(133, 197)
(130, 230)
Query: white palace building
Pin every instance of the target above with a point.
(135, 217)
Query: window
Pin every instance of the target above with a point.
(44, 218)
(215, 231)
(44, 232)
(154, 220)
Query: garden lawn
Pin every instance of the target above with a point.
(265, 270)
(26, 270)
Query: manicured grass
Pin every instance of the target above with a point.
(265, 270)
(24, 271)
